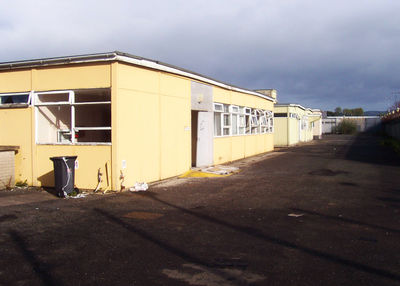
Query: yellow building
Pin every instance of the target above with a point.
(127, 118)
(295, 123)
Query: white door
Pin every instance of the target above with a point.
(205, 139)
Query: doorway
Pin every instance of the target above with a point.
(202, 138)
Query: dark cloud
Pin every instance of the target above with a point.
(321, 54)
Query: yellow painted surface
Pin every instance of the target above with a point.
(16, 81)
(90, 159)
(294, 131)
(138, 79)
(153, 125)
(16, 127)
(199, 174)
(280, 131)
(175, 136)
(232, 148)
(71, 77)
(222, 95)
(222, 150)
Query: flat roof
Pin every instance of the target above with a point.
(297, 105)
(126, 58)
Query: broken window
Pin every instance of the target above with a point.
(70, 117)
(236, 120)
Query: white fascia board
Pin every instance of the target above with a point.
(154, 65)
(351, 117)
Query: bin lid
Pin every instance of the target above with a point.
(63, 158)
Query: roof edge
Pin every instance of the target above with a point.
(127, 58)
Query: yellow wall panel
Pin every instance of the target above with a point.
(16, 130)
(90, 159)
(222, 150)
(221, 95)
(15, 81)
(238, 147)
(175, 136)
(174, 86)
(139, 79)
(71, 77)
(138, 138)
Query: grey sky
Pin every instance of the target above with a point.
(320, 54)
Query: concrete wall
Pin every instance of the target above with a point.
(364, 123)
(7, 172)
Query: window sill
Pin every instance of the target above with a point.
(75, 144)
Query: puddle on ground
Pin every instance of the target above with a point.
(142, 215)
(195, 274)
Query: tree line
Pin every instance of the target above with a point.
(346, 112)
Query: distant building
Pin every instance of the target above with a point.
(364, 123)
(295, 123)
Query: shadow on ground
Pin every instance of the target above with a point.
(369, 149)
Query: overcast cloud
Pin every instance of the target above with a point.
(321, 54)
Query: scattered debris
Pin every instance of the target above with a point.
(295, 215)
(78, 196)
(138, 187)
(214, 171)
(220, 170)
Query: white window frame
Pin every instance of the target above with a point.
(219, 105)
(228, 126)
(70, 102)
(17, 94)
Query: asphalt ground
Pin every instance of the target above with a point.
(324, 213)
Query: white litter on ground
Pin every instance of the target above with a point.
(139, 187)
(78, 196)
(295, 215)
(220, 170)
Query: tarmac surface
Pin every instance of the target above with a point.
(324, 213)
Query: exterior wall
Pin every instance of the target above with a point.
(237, 147)
(317, 130)
(288, 129)
(17, 129)
(32, 161)
(281, 128)
(364, 123)
(392, 128)
(158, 144)
(150, 121)
(90, 159)
(7, 177)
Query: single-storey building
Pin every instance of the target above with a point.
(363, 123)
(127, 118)
(295, 123)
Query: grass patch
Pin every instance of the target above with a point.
(392, 143)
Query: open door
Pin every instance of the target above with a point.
(194, 137)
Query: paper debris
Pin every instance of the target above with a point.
(138, 187)
(295, 215)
